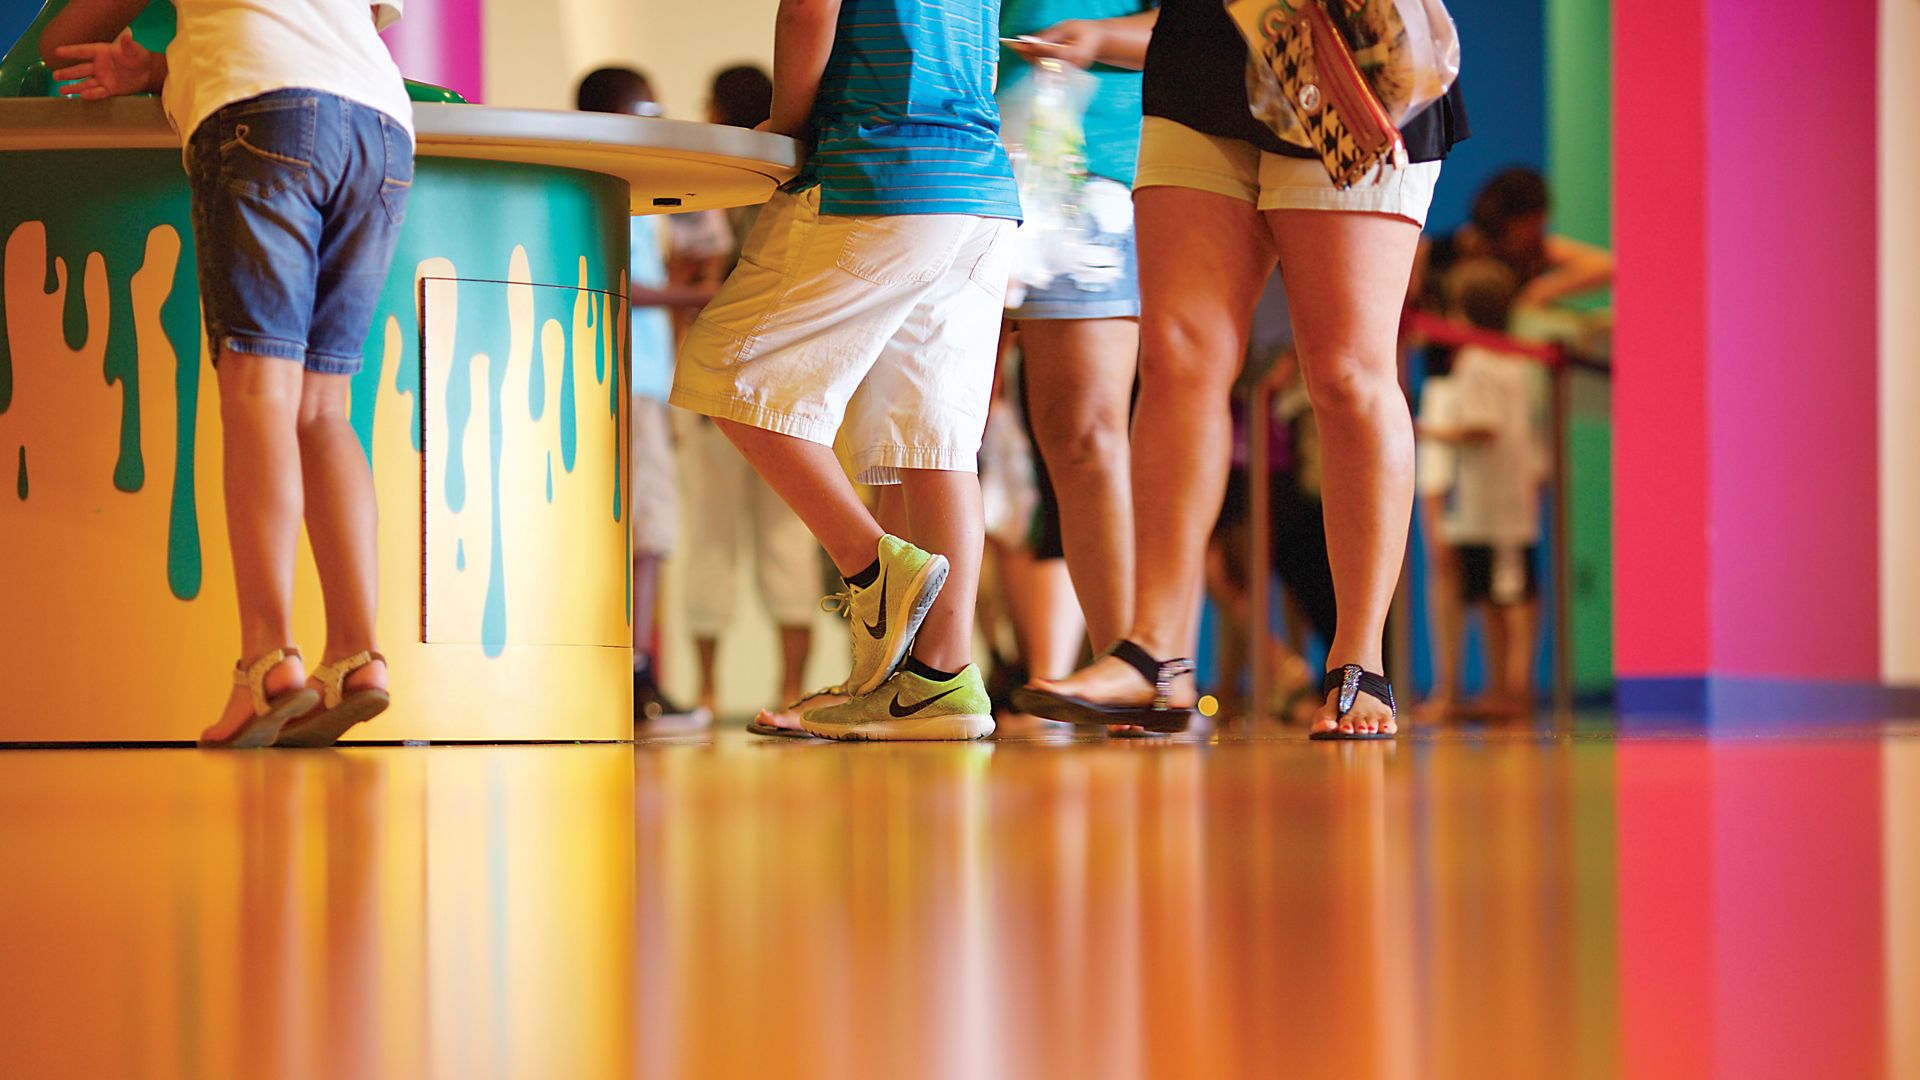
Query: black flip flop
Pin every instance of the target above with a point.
(1350, 681)
(1159, 717)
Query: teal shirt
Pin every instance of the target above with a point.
(905, 121)
(652, 340)
(1113, 112)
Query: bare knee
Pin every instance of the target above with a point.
(1346, 386)
(319, 422)
(1080, 439)
(1189, 355)
(323, 405)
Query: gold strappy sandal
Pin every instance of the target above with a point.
(270, 714)
(340, 708)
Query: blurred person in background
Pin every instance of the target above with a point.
(1497, 425)
(656, 500)
(735, 509)
(1080, 335)
(1510, 223)
(1436, 462)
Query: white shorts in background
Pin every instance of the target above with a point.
(1175, 155)
(882, 330)
(734, 507)
(654, 483)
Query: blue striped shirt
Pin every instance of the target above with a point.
(905, 121)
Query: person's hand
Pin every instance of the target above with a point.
(1537, 293)
(1076, 42)
(106, 69)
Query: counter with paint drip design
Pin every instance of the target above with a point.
(493, 408)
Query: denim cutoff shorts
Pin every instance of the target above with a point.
(1109, 288)
(298, 197)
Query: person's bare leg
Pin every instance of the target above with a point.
(944, 517)
(1346, 276)
(1048, 629)
(1520, 620)
(646, 600)
(1444, 609)
(1499, 652)
(890, 509)
(795, 643)
(1204, 259)
(808, 478)
(1079, 391)
(707, 651)
(259, 406)
(342, 523)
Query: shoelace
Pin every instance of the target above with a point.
(840, 603)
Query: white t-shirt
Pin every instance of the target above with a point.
(1496, 495)
(230, 50)
(1434, 459)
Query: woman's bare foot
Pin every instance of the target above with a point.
(283, 678)
(788, 718)
(1438, 708)
(1369, 716)
(1112, 681)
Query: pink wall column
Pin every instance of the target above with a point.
(438, 41)
(1747, 514)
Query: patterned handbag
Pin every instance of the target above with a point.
(1339, 76)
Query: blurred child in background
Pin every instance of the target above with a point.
(1499, 407)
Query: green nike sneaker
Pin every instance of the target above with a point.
(883, 617)
(910, 707)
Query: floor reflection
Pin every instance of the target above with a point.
(1472, 907)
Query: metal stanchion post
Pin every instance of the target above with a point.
(1562, 546)
(1259, 543)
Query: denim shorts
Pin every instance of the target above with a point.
(1098, 292)
(298, 197)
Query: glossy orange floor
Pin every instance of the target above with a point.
(1504, 906)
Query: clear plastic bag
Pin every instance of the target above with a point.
(1043, 123)
(1432, 54)
(1407, 50)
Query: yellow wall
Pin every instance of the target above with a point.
(536, 52)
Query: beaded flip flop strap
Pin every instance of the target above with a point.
(333, 677)
(253, 675)
(1351, 680)
(1160, 673)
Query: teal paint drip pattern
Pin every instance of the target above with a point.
(537, 390)
(569, 423)
(549, 476)
(594, 320)
(6, 353)
(121, 365)
(180, 321)
(142, 189)
(108, 201)
(493, 617)
(460, 555)
(459, 411)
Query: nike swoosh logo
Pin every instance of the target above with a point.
(898, 712)
(879, 630)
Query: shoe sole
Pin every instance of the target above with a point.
(260, 731)
(914, 603)
(327, 728)
(956, 727)
(1072, 710)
